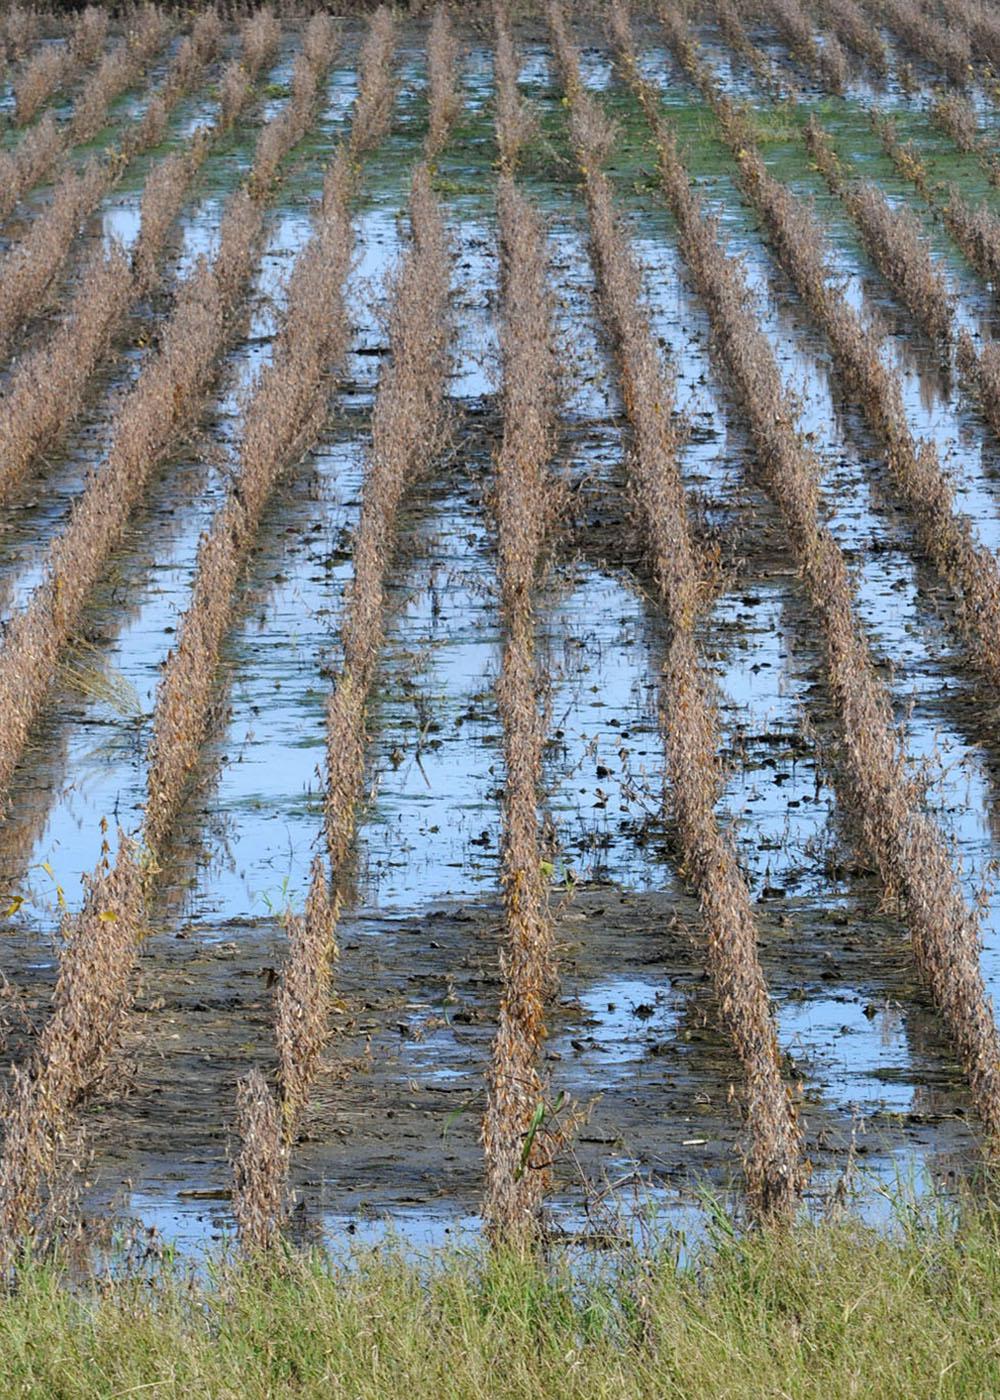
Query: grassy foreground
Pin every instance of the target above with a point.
(826, 1311)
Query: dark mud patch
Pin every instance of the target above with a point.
(634, 1034)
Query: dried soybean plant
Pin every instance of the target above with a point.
(164, 402)
(54, 68)
(856, 32)
(944, 532)
(278, 137)
(376, 84)
(518, 1150)
(283, 418)
(956, 117)
(892, 237)
(907, 848)
(773, 1157)
(974, 227)
(36, 155)
(981, 369)
(982, 24)
(48, 386)
(118, 71)
(925, 37)
(20, 31)
(94, 988)
(826, 60)
(443, 97)
(28, 270)
(282, 421)
(49, 70)
(733, 30)
(408, 429)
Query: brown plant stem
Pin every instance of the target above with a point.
(526, 501)
(905, 845)
(773, 1161)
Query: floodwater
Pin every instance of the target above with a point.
(393, 1131)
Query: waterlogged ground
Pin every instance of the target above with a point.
(634, 1034)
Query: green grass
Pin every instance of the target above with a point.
(828, 1310)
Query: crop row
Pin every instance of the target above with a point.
(281, 422)
(18, 32)
(856, 32)
(976, 230)
(827, 61)
(164, 402)
(946, 535)
(526, 502)
(733, 31)
(974, 227)
(906, 847)
(955, 115)
(925, 37)
(893, 239)
(48, 386)
(773, 1162)
(53, 68)
(28, 270)
(45, 148)
(407, 430)
(93, 988)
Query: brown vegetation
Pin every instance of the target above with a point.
(53, 68)
(526, 501)
(73, 1049)
(48, 386)
(856, 32)
(908, 850)
(945, 534)
(28, 270)
(118, 71)
(983, 27)
(825, 60)
(97, 967)
(926, 38)
(376, 84)
(36, 155)
(294, 119)
(47, 72)
(894, 240)
(443, 55)
(892, 237)
(773, 1161)
(981, 369)
(734, 32)
(407, 430)
(163, 402)
(20, 29)
(956, 116)
(977, 232)
(283, 418)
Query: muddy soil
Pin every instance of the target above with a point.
(634, 1035)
